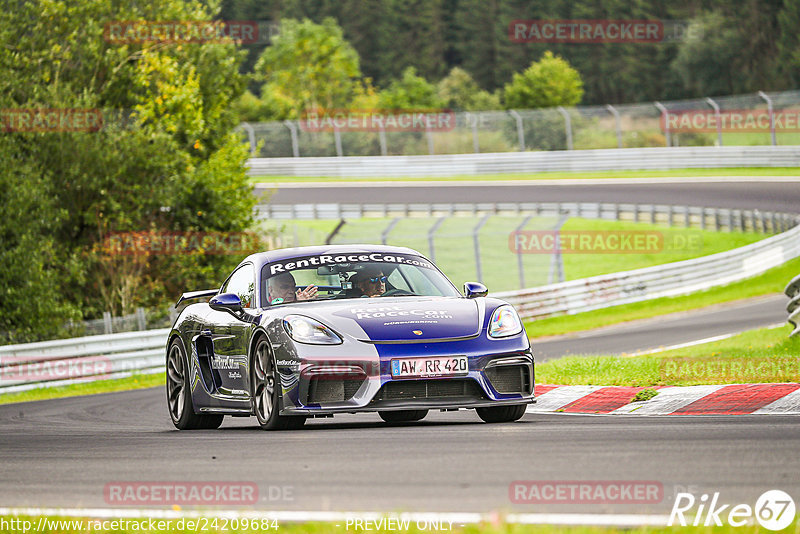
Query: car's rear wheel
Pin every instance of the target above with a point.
(502, 414)
(265, 391)
(179, 395)
(403, 416)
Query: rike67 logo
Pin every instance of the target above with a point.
(774, 510)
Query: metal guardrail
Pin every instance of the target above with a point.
(793, 292)
(66, 361)
(663, 158)
(671, 279)
(687, 216)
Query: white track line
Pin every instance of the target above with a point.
(379, 182)
(454, 518)
(701, 341)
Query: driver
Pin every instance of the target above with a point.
(281, 288)
(370, 281)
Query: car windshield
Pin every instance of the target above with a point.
(345, 276)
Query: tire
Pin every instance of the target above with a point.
(179, 397)
(403, 416)
(264, 390)
(502, 414)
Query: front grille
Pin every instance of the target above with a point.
(429, 389)
(510, 378)
(333, 389)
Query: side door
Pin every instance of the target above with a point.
(230, 335)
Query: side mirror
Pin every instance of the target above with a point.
(474, 289)
(227, 302)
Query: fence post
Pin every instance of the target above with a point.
(520, 265)
(432, 231)
(475, 241)
(251, 136)
(719, 123)
(687, 218)
(475, 145)
(337, 140)
(520, 131)
(768, 100)
(385, 233)
(141, 322)
(557, 260)
(617, 122)
(107, 322)
(567, 126)
(293, 129)
(665, 119)
(382, 140)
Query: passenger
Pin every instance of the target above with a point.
(281, 288)
(369, 282)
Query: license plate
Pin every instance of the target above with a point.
(426, 367)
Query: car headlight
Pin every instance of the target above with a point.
(505, 322)
(308, 330)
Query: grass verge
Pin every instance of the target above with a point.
(68, 525)
(137, 381)
(675, 173)
(764, 355)
(769, 282)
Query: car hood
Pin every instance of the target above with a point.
(401, 319)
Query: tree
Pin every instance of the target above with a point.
(547, 83)
(409, 92)
(309, 66)
(164, 160)
(459, 91)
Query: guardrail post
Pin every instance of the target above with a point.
(429, 135)
(652, 213)
(768, 100)
(431, 232)
(665, 118)
(617, 123)
(702, 218)
(475, 145)
(520, 265)
(476, 243)
(719, 123)
(687, 217)
(671, 214)
(107, 322)
(567, 126)
(730, 220)
(520, 131)
(717, 225)
(293, 130)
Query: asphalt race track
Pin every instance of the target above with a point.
(669, 330)
(62, 453)
(763, 195)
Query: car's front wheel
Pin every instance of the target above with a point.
(403, 416)
(502, 414)
(265, 390)
(179, 394)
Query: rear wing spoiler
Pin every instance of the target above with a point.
(189, 295)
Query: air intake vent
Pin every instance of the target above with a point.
(510, 378)
(331, 389)
(429, 389)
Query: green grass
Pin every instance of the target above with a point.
(770, 282)
(454, 247)
(765, 355)
(70, 525)
(679, 173)
(138, 381)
